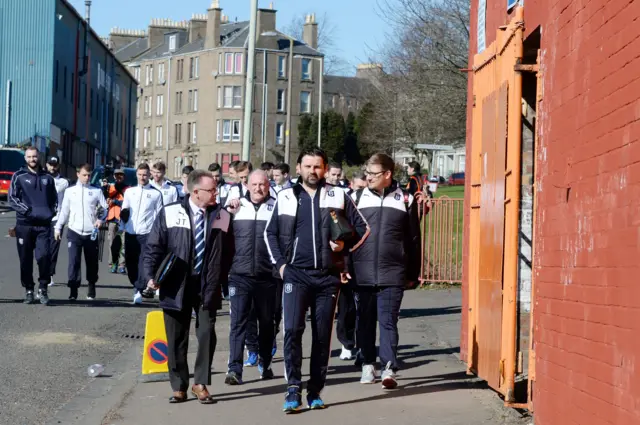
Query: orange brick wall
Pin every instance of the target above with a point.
(587, 234)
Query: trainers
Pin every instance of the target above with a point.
(73, 294)
(314, 401)
(113, 269)
(265, 374)
(29, 298)
(292, 400)
(148, 293)
(122, 270)
(368, 374)
(52, 283)
(233, 378)
(389, 378)
(137, 298)
(274, 349)
(346, 354)
(43, 297)
(252, 359)
(91, 292)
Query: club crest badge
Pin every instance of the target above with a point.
(288, 288)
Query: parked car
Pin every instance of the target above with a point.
(11, 160)
(102, 172)
(437, 179)
(456, 179)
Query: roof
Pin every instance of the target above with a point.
(347, 86)
(232, 35)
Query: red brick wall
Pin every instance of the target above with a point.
(587, 234)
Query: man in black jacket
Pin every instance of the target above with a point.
(33, 197)
(387, 262)
(198, 235)
(299, 241)
(252, 280)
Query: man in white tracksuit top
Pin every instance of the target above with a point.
(83, 209)
(170, 193)
(140, 206)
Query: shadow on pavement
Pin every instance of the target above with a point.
(407, 313)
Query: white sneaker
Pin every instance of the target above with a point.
(389, 378)
(158, 293)
(52, 283)
(137, 298)
(368, 374)
(346, 354)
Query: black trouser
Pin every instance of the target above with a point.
(177, 324)
(77, 244)
(251, 335)
(380, 304)
(247, 292)
(304, 289)
(134, 249)
(116, 244)
(277, 312)
(30, 239)
(347, 313)
(55, 249)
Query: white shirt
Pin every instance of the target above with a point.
(80, 208)
(144, 203)
(61, 185)
(223, 192)
(169, 192)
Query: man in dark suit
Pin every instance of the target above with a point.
(197, 235)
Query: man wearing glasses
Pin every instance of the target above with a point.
(386, 264)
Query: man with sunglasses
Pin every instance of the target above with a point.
(386, 264)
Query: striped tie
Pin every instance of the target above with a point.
(199, 247)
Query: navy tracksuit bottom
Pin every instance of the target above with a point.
(303, 289)
(346, 320)
(134, 249)
(79, 244)
(30, 240)
(246, 292)
(251, 340)
(381, 305)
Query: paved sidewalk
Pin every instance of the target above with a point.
(433, 387)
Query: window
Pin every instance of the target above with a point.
(145, 139)
(238, 60)
(190, 101)
(217, 130)
(232, 97)
(179, 69)
(136, 73)
(178, 135)
(137, 139)
(220, 62)
(159, 136)
(194, 64)
(226, 130)
(188, 131)
(160, 105)
(237, 97)
(193, 133)
(147, 108)
(305, 102)
(282, 63)
(228, 63)
(172, 43)
(195, 101)
(281, 100)
(178, 102)
(228, 96)
(306, 69)
(219, 97)
(235, 135)
(279, 133)
(149, 74)
(161, 73)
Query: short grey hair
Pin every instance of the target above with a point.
(258, 172)
(195, 177)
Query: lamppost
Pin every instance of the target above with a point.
(251, 71)
(321, 59)
(287, 143)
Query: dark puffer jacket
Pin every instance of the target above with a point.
(252, 257)
(391, 255)
(172, 233)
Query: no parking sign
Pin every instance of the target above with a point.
(155, 354)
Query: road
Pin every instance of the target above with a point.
(45, 351)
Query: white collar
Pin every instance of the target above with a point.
(195, 208)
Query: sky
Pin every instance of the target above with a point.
(359, 28)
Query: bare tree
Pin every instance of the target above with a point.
(423, 94)
(333, 62)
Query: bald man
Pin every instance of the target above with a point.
(252, 280)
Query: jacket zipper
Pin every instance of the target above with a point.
(255, 227)
(295, 248)
(139, 207)
(313, 231)
(378, 239)
(82, 203)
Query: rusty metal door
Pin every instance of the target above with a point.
(493, 230)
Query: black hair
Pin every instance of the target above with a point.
(313, 152)
(284, 168)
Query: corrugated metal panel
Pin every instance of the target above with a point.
(26, 54)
